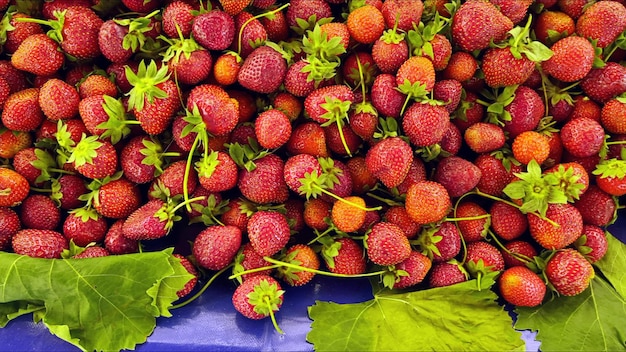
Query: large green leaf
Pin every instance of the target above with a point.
(107, 303)
(613, 264)
(591, 321)
(457, 318)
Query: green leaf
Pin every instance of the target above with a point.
(590, 321)
(613, 264)
(106, 303)
(453, 318)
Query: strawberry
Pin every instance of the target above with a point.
(117, 199)
(520, 286)
(515, 10)
(348, 217)
(386, 244)
(58, 100)
(296, 79)
(22, 111)
(140, 159)
(582, 137)
(452, 140)
(39, 212)
(389, 161)
(48, 9)
(272, 128)
(476, 225)
(446, 274)
(483, 257)
(142, 6)
(551, 25)
(461, 66)
(152, 220)
(502, 68)
(15, 77)
(427, 201)
(507, 221)
(457, 175)
(289, 104)
(604, 83)
(189, 62)
(9, 225)
(530, 145)
(70, 188)
(276, 26)
(251, 34)
(440, 243)
(95, 84)
(341, 179)
(497, 173)
(39, 243)
(417, 70)
(20, 31)
(526, 111)
(596, 206)
(572, 60)
(336, 30)
(39, 55)
(115, 241)
(204, 25)
(344, 256)
(610, 177)
(518, 253)
(12, 142)
(365, 24)
(603, 21)
(233, 7)
(362, 179)
(177, 16)
(301, 255)
(612, 116)
(385, 96)
(218, 111)
(478, 22)
(390, 51)
(567, 228)
(469, 111)
(592, 243)
(484, 137)
(305, 10)
(93, 114)
(171, 182)
(216, 246)
(268, 232)
(258, 297)
(449, 91)
(247, 259)
(94, 159)
(111, 39)
(191, 269)
(401, 13)
(569, 272)
(264, 184)
(316, 213)
(585, 107)
(416, 266)
(84, 227)
(398, 215)
(218, 172)
(318, 103)
(92, 252)
(14, 187)
(425, 124)
(342, 141)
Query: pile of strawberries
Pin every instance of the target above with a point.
(423, 142)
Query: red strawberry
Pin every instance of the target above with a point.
(582, 137)
(304, 9)
(84, 227)
(425, 124)
(96, 84)
(204, 32)
(569, 272)
(215, 247)
(218, 172)
(502, 68)
(449, 91)
(92, 252)
(416, 266)
(553, 22)
(549, 236)
(22, 111)
(602, 84)
(296, 80)
(258, 297)
(405, 13)
(476, 229)
(177, 15)
(14, 188)
(171, 182)
(495, 174)
(385, 96)
(140, 160)
(526, 111)
(301, 255)
(58, 100)
(446, 274)
(13, 142)
(518, 253)
(70, 188)
(397, 215)
(39, 55)
(427, 201)
(219, 112)
(602, 21)
(486, 253)
(478, 22)
(572, 60)
(272, 128)
(94, 159)
(507, 221)
(247, 259)
(316, 102)
(389, 161)
(386, 244)
(152, 220)
(520, 286)
(117, 199)
(9, 225)
(596, 206)
(39, 212)
(264, 184)
(190, 267)
(592, 243)
(111, 41)
(349, 258)
(189, 62)
(39, 243)
(268, 232)
(253, 32)
(115, 241)
(390, 51)
(457, 175)
(484, 137)
(441, 243)
(20, 31)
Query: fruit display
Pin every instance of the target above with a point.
(464, 159)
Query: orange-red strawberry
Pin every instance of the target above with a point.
(233, 7)
(552, 24)
(603, 21)
(226, 68)
(39, 55)
(95, 84)
(520, 286)
(58, 100)
(365, 24)
(216, 246)
(427, 201)
(461, 66)
(476, 229)
(171, 182)
(22, 111)
(348, 217)
(316, 213)
(117, 199)
(569, 272)
(301, 255)
(417, 69)
(530, 145)
(268, 231)
(11, 142)
(561, 226)
(586, 107)
(573, 8)
(484, 137)
(336, 30)
(398, 215)
(14, 188)
(362, 178)
(386, 244)
(507, 221)
(389, 161)
(39, 243)
(84, 227)
(572, 60)
(476, 23)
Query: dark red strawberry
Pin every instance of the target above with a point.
(252, 35)
(215, 247)
(115, 241)
(440, 243)
(70, 188)
(140, 159)
(458, 175)
(389, 161)
(263, 70)
(518, 253)
(386, 244)
(582, 137)
(592, 243)
(264, 184)
(478, 22)
(117, 199)
(416, 266)
(497, 173)
(39, 243)
(84, 227)
(507, 221)
(602, 84)
(214, 30)
(398, 215)
(268, 232)
(385, 97)
(476, 229)
(191, 269)
(39, 212)
(9, 225)
(446, 274)
(596, 206)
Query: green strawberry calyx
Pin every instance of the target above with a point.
(289, 273)
(569, 182)
(154, 155)
(117, 126)
(266, 299)
(56, 26)
(519, 43)
(336, 112)
(85, 151)
(322, 55)
(209, 214)
(5, 24)
(167, 213)
(613, 168)
(496, 104)
(427, 241)
(145, 83)
(245, 155)
(179, 46)
(420, 37)
(135, 38)
(85, 214)
(207, 164)
(45, 163)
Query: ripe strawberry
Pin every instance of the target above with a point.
(520, 286)
(452, 140)
(478, 22)
(93, 114)
(585, 107)
(344, 256)
(305, 9)
(347, 217)
(172, 181)
(247, 259)
(233, 7)
(449, 91)
(385, 96)
(9, 225)
(613, 116)
(518, 253)
(484, 137)
(417, 266)
(342, 181)
(476, 229)
(507, 221)
(582, 137)
(268, 232)
(84, 227)
(386, 244)
(39, 55)
(405, 13)
(58, 100)
(117, 199)
(515, 10)
(604, 83)
(495, 174)
(316, 213)
(276, 26)
(315, 103)
(142, 6)
(111, 41)
(549, 236)
(289, 104)
(389, 161)
(66, 191)
(218, 110)
(362, 179)
(427, 201)
(39, 243)
(258, 297)
(92, 252)
(218, 172)
(264, 184)
(596, 206)
(95, 84)
(461, 66)
(390, 51)
(440, 243)
(417, 69)
(489, 255)
(272, 128)
(177, 15)
(39, 212)
(12, 142)
(296, 80)
(22, 111)
(592, 243)
(204, 25)
(398, 215)
(526, 111)
(551, 24)
(569, 272)
(115, 241)
(336, 30)
(425, 124)
(457, 175)
(152, 220)
(14, 187)
(365, 24)
(137, 159)
(603, 22)
(252, 33)
(609, 176)
(446, 274)
(301, 255)
(20, 31)
(530, 145)
(341, 142)
(572, 60)
(190, 267)
(502, 68)
(15, 77)
(216, 246)
(94, 159)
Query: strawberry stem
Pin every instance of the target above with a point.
(477, 217)
(199, 293)
(187, 202)
(243, 26)
(489, 196)
(317, 187)
(389, 202)
(517, 256)
(188, 169)
(266, 300)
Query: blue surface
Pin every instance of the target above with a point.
(211, 323)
